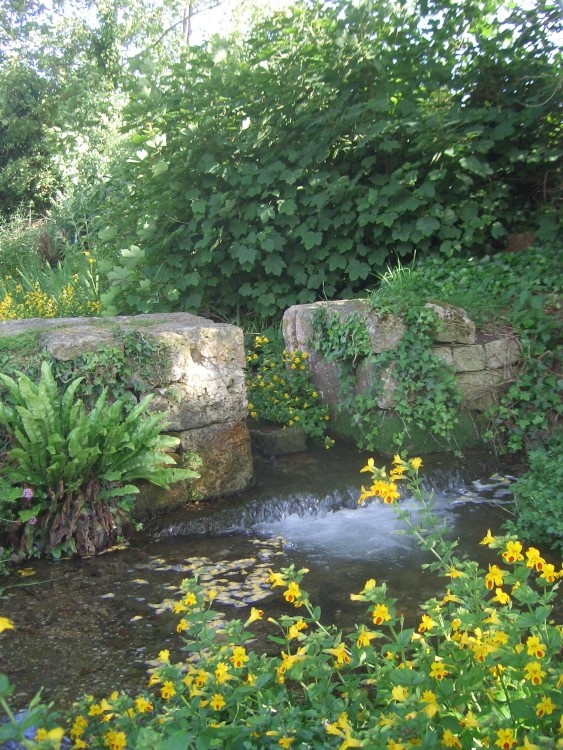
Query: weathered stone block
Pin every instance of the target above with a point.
(367, 377)
(74, 342)
(455, 325)
(480, 390)
(226, 458)
(477, 366)
(502, 352)
(468, 358)
(385, 332)
(444, 353)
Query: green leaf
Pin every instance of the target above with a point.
(274, 264)
(427, 225)
(245, 254)
(160, 167)
(474, 165)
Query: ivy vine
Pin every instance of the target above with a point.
(425, 392)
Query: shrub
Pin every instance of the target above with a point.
(479, 670)
(73, 467)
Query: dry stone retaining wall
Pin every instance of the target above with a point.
(203, 390)
(483, 363)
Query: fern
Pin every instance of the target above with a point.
(73, 459)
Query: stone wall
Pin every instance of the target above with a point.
(483, 363)
(202, 391)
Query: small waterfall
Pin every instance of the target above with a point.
(325, 517)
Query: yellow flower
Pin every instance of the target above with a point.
(6, 624)
(370, 466)
(416, 463)
(182, 625)
(545, 707)
(429, 697)
(292, 593)
(167, 690)
(222, 673)
(501, 597)
(55, 734)
(143, 705)
(361, 597)
(505, 739)
(217, 702)
(364, 638)
(115, 740)
(286, 741)
(239, 657)
(513, 552)
(365, 495)
(450, 739)
(535, 647)
(164, 656)
(534, 672)
(341, 728)
(78, 727)
(255, 614)
(339, 654)
(438, 670)
(380, 614)
(548, 573)
(469, 721)
(400, 693)
(495, 577)
(528, 745)
(295, 629)
(276, 579)
(427, 623)
(534, 559)
(488, 538)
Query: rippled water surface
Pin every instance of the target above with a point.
(93, 625)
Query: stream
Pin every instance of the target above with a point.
(93, 625)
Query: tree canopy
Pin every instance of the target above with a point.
(296, 161)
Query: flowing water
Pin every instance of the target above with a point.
(93, 625)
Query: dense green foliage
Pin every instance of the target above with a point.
(73, 467)
(338, 136)
(538, 509)
(280, 391)
(517, 293)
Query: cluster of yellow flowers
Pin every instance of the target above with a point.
(384, 488)
(36, 303)
(280, 390)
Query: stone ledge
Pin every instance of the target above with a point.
(203, 391)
